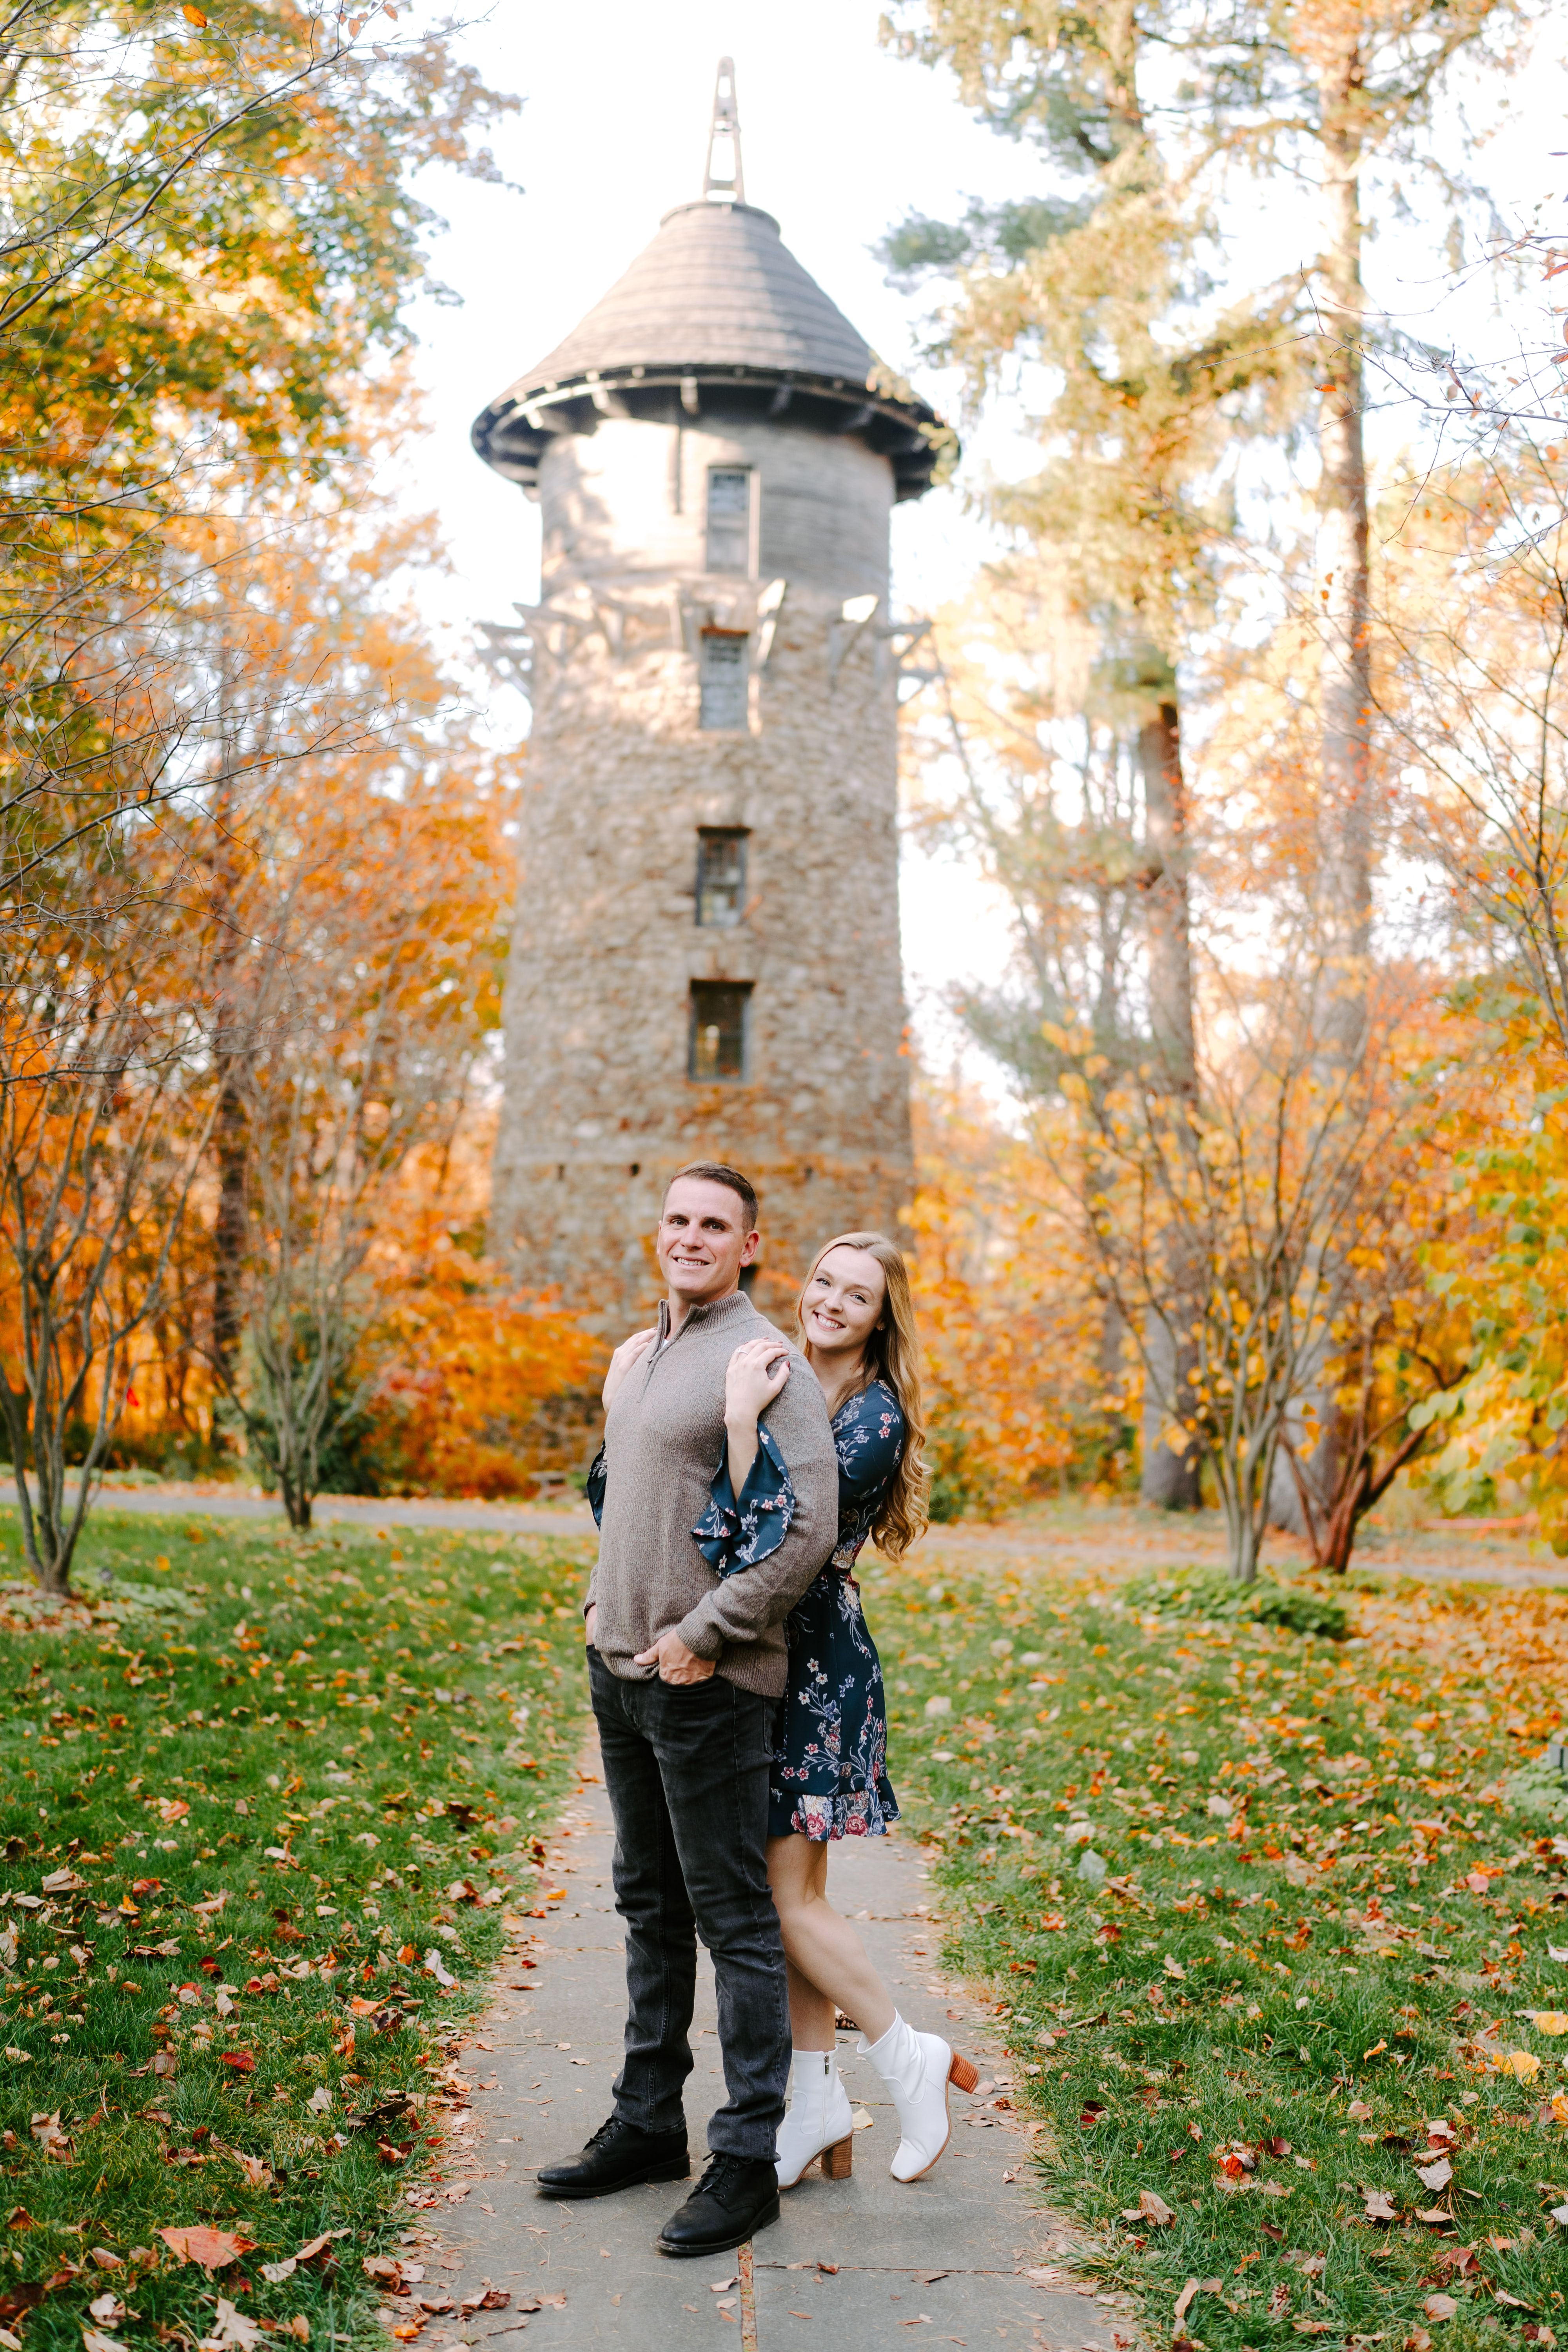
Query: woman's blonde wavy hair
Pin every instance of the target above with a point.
(893, 1355)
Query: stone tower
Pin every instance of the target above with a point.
(706, 957)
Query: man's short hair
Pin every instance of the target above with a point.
(713, 1171)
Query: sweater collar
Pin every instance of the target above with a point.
(730, 1307)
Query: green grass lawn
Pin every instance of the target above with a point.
(266, 1802)
(1304, 1960)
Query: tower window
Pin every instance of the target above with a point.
(718, 1048)
(720, 879)
(729, 519)
(723, 679)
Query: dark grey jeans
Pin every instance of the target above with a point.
(686, 1766)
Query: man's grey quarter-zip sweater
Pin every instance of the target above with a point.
(664, 1438)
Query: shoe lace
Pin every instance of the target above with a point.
(723, 2175)
(608, 2130)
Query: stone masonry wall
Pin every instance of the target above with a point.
(599, 1109)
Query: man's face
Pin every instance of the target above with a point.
(704, 1239)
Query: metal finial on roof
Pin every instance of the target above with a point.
(725, 125)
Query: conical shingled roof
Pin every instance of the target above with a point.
(718, 287)
(715, 315)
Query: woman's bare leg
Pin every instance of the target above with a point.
(828, 1967)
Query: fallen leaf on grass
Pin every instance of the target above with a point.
(107, 2309)
(1195, 2287)
(1435, 2175)
(46, 2130)
(1379, 2206)
(93, 2342)
(1311, 2326)
(316, 2247)
(1512, 2301)
(1549, 2021)
(1522, 2064)
(235, 2332)
(275, 2272)
(1439, 2306)
(1150, 2207)
(240, 2061)
(1279, 2301)
(214, 2250)
(1358, 2111)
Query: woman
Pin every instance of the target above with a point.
(858, 1333)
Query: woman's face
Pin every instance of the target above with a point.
(843, 1301)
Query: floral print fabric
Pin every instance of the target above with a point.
(733, 1534)
(829, 1777)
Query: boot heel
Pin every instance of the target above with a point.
(962, 2074)
(837, 2160)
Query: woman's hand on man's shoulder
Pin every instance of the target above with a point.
(757, 1371)
(625, 1357)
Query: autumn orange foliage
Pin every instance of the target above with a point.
(471, 1366)
(1008, 1318)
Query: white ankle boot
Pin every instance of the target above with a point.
(917, 2069)
(819, 2122)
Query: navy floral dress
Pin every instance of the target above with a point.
(829, 1775)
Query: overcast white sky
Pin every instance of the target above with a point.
(841, 139)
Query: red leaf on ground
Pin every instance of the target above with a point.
(213, 2249)
(241, 2060)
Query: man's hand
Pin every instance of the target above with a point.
(625, 1357)
(589, 1621)
(675, 1662)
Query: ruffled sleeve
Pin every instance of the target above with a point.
(594, 1487)
(733, 1534)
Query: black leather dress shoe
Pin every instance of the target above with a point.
(737, 2196)
(617, 2157)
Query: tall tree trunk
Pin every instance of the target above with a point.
(1170, 1478)
(1344, 843)
(1345, 817)
(230, 1131)
(229, 1229)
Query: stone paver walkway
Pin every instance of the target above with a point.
(864, 2262)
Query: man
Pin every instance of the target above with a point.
(686, 1670)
